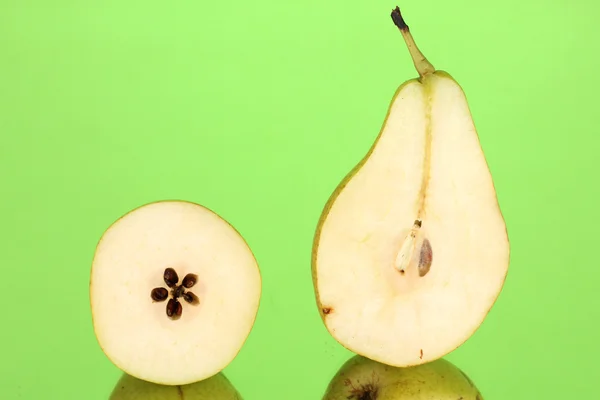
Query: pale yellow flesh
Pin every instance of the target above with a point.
(427, 164)
(130, 259)
(439, 380)
(217, 387)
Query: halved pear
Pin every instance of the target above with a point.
(217, 387)
(363, 379)
(411, 250)
(174, 292)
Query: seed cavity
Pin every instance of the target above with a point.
(425, 258)
(174, 308)
(178, 291)
(405, 255)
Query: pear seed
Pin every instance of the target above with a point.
(425, 258)
(171, 277)
(189, 280)
(159, 294)
(178, 310)
(191, 298)
(174, 309)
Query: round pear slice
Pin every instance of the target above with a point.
(174, 292)
(411, 250)
(217, 387)
(361, 378)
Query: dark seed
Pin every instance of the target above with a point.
(425, 258)
(172, 306)
(191, 298)
(190, 280)
(159, 294)
(178, 310)
(171, 277)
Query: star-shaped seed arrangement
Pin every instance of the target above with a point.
(174, 307)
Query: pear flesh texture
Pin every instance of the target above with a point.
(134, 330)
(217, 387)
(411, 250)
(361, 378)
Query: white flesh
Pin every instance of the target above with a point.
(134, 332)
(426, 165)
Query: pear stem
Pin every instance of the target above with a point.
(423, 66)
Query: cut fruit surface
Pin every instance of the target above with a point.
(174, 292)
(411, 250)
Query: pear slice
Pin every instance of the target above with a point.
(411, 250)
(217, 387)
(361, 378)
(174, 292)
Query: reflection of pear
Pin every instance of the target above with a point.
(217, 387)
(411, 250)
(363, 379)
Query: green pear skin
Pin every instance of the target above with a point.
(363, 379)
(217, 387)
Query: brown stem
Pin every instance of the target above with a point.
(423, 66)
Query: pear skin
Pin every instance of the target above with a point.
(363, 379)
(217, 387)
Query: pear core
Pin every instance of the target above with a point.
(411, 250)
(131, 320)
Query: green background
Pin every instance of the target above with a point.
(257, 110)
